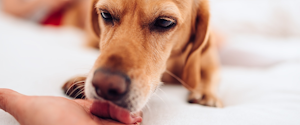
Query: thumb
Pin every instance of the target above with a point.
(10, 100)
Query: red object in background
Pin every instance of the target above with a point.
(54, 19)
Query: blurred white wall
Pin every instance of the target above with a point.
(280, 18)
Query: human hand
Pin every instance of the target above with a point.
(46, 110)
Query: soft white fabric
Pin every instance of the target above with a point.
(260, 77)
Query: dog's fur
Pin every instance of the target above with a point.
(184, 53)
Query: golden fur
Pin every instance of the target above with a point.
(186, 53)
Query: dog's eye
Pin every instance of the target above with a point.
(164, 23)
(106, 16)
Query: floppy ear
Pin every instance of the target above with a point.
(93, 19)
(200, 33)
(92, 27)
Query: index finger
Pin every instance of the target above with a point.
(10, 100)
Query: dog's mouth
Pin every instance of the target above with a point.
(106, 109)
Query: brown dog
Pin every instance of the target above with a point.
(145, 41)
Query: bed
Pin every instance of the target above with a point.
(260, 66)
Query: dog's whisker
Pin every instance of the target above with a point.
(180, 80)
(76, 82)
(149, 109)
(79, 93)
(79, 82)
(161, 99)
(165, 94)
(73, 86)
(83, 97)
(70, 89)
(80, 86)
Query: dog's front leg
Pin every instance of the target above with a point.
(201, 76)
(210, 79)
(75, 87)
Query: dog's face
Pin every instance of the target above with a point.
(136, 38)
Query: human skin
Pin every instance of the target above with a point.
(23, 8)
(47, 110)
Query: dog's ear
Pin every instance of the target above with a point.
(200, 25)
(199, 38)
(94, 19)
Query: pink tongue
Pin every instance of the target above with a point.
(105, 109)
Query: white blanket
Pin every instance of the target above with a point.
(260, 77)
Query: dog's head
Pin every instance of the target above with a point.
(136, 38)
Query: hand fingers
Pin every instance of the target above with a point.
(10, 101)
(86, 104)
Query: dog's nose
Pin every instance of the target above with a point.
(110, 85)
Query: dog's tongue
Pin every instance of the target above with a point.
(105, 109)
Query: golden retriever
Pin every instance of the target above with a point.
(144, 42)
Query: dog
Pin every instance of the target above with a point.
(144, 42)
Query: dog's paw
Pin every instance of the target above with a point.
(75, 87)
(206, 99)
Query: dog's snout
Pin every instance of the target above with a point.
(110, 85)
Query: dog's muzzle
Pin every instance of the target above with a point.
(110, 84)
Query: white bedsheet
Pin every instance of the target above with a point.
(260, 81)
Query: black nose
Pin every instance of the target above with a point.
(109, 84)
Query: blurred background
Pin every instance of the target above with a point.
(266, 32)
(259, 51)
